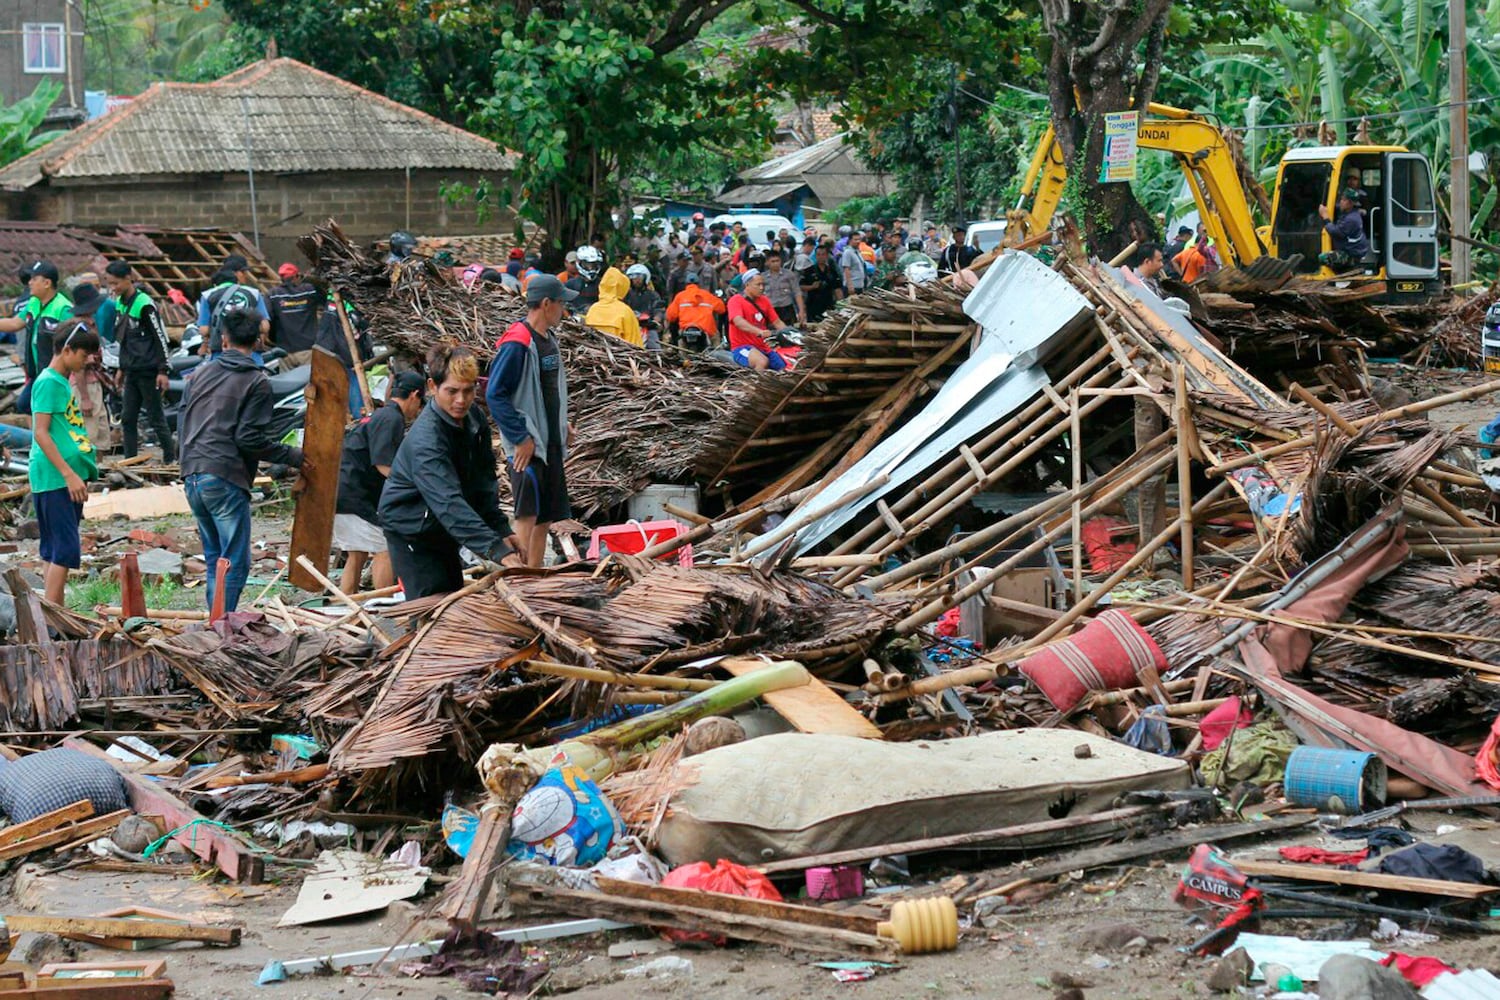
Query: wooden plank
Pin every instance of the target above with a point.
(95, 989)
(745, 927)
(744, 905)
(82, 809)
(322, 448)
(150, 501)
(467, 897)
(124, 927)
(231, 855)
(812, 707)
(89, 829)
(1364, 880)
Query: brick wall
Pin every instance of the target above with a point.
(367, 204)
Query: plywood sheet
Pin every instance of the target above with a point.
(322, 450)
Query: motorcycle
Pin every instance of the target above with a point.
(1489, 341)
(288, 392)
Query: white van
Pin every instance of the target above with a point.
(757, 223)
(987, 235)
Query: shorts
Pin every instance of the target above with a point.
(352, 533)
(57, 518)
(774, 360)
(541, 491)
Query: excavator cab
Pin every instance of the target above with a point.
(1399, 212)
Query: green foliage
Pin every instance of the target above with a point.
(20, 122)
(130, 44)
(873, 209)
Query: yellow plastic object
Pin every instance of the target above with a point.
(922, 925)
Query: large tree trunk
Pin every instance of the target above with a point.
(1092, 71)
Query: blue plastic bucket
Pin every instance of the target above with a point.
(1340, 781)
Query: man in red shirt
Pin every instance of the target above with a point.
(751, 315)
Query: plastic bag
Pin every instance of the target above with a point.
(726, 877)
(564, 820)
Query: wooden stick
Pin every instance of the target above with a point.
(795, 521)
(343, 598)
(129, 928)
(1184, 422)
(1365, 880)
(367, 403)
(166, 615)
(812, 916)
(91, 828)
(1075, 445)
(296, 776)
(599, 675)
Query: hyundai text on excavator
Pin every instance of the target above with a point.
(1400, 211)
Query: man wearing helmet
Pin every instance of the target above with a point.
(643, 301)
(586, 284)
(838, 247)
(694, 308)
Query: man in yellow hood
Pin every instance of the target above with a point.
(610, 314)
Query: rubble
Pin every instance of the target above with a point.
(1037, 583)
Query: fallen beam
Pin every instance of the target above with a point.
(125, 927)
(82, 809)
(668, 895)
(1365, 880)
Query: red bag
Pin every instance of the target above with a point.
(1487, 761)
(1216, 726)
(727, 878)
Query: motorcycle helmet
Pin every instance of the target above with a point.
(846, 230)
(638, 271)
(919, 272)
(534, 259)
(697, 216)
(590, 262)
(402, 244)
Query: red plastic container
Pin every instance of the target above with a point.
(637, 536)
(836, 882)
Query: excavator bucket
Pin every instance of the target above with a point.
(1264, 274)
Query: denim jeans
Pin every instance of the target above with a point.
(222, 511)
(15, 437)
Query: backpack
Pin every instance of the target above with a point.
(222, 301)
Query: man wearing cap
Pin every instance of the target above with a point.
(143, 360)
(751, 316)
(1347, 230)
(43, 313)
(677, 276)
(232, 287)
(294, 307)
(957, 255)
(515, 262)
(570, 267)
(528, 397)
(369, 449)
(1179, 243)
(708, 275)
(784, 288)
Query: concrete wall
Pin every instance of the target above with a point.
(367, 205)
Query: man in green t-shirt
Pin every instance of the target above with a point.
(40, 317)
(62, 457)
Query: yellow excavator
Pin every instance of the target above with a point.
(1400, 210)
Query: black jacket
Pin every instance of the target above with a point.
(226, 419)
(444, 480)
(331, 336)
(295, 309)
(141, 335)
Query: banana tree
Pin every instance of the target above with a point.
(20, 122)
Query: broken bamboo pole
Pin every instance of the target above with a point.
(599, 675)
(1075, 445)
(343, 598)
(1184, 422)
(796, 521)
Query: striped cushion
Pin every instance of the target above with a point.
(1105, 655)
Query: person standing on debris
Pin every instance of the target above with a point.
(295, 306)
(143, 360)
(889, 273)
(852, 265)
(442, 494)
(528, 397)
(62, 457)
(822, 285)
(784, 289)
(751, 317)
(610, 314)
(1179, 243)
(1147, 265)
(231, 289)
(37, 322)
(370, 448)
(1350, 244)
(226, 432)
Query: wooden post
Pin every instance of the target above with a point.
(1184, 422)
(221, 573)
(132, 595)
(1076, 446)
(367, 406)
(322, 451)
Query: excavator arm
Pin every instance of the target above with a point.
(1207, 164)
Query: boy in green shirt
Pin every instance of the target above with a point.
(62, 457)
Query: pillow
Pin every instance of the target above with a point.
(1105, 655)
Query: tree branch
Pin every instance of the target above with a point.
(1145, 91)
(817, 13)
(1105, 36)
(686, 23)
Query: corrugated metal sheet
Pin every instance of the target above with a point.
(282, 115)
(758, 194)
(1475, 984)
(1026, 306)
(798, 163)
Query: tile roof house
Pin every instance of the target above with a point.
(817, 178)
(311, 146)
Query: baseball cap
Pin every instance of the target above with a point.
(545, 288)
(46, 269)
(572, 257)
(516, 253)
(683, 255)
(236, 262)
(407, 383)
(288, 270)
(1353, 194)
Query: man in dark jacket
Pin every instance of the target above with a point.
(331, 337)
(225, 423)
(295, 307)
(442, 493)
(142, 337)
(1350, 244)
(370, 449)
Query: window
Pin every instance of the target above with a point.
(44, 47)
